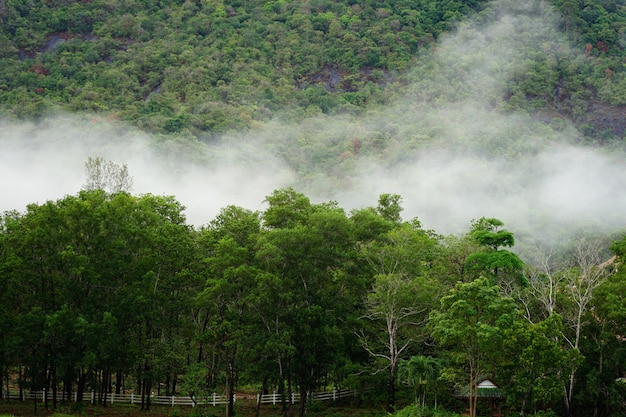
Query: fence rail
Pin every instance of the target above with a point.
(334, 395)
(213, 400)
(172, 400)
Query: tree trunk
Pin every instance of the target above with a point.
(80, 387)
(303, 400)
(145, 397)
(258, 403)
(289, 398)
(47, 379)
(21, 382)
(118, 382)
(230, 408)
(391, 390)
(67, 389)
(568, 410)
(53, 386)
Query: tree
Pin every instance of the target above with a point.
(102, 274)
(544, 284)
(230, 274)
(389, 207)
(563, 283)
(107, 175)
(503, 266)
(536, 363)
(471, 322)
(601, 392)
(400, 298)
(304, 251)
(590, 268)
(10, 294)
(422, 373)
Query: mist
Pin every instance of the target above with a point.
(448, 146)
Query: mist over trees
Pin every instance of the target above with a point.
(510, 113)
(114, 292)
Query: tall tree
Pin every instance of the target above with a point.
(102, 270)
(591, 266)
(306, 247)
(422, 373)
(231, 274)
(536, 363)
(400, 299)
(503, 266)
(471, 322)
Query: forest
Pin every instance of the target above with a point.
(113, 292)
(202, 69)
(507, 118)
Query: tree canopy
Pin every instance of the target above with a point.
(107, 291)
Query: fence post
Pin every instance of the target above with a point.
(75, 396)
(43, 397)
(132, 398)
(173, 400)
(213, 400)
(274, 398)
(112, 397)
(193, 401)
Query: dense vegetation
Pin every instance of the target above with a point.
(202, 68)
(110, 291)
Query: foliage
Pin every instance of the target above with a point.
(503, 266)
(417, 411)
(100, 287)
(472, 322)
(213, 67)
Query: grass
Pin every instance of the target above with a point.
(243, 408)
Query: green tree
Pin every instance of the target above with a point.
(231, 272)
(471, 322)
(503, 266)
(103, 272)
(422, 374)
(305, 249)
(536, 363)
(590, 269)
(400, 299)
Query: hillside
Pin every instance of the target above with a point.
(203, 68)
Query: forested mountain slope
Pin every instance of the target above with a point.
(207, 67)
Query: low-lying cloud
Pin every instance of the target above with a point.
(449, 148)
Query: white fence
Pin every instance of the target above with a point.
(334, 395)
(212, 400)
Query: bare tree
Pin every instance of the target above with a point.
(565, 286)
(591, 267)
(545, 276)
(106, 175)
(401, 294)
(397, 304)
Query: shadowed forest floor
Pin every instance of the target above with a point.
(243, 408)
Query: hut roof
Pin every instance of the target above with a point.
(486, 389)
